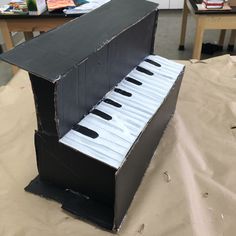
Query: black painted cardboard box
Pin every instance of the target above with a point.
(71, 68)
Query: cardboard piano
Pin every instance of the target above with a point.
(102, 102)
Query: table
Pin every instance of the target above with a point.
(28, 24)
(214, 19)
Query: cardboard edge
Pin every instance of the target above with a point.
(79, 205)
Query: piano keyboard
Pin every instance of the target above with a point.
(108, 132)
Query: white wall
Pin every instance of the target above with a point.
(163, 4)
(3, 2)
(169, 4)
(176, 4)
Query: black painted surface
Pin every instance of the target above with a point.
(85, 84)
(129, 176)
(74, 203)
(59, 50)
(44, 93)
(70, 99)
(67, 168)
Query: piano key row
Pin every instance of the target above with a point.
(108, 132)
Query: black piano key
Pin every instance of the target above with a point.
(123, 92)
(153, 62)
(101, 114)
(85, 131)
(134, 81)
(143, 70)
(113, 103)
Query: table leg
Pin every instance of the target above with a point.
(28, 35)
(222, 39)
(6, 35)
(198, 38)
(232, 41)
(7, 39)
(184, 26)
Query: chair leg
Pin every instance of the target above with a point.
(28, 35)
(222, 39)
(198, 38)
(184, 26)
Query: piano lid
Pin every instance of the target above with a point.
(53, 54)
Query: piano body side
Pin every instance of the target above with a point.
(130, 174)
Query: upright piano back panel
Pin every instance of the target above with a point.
(84, 59)
(87, 83)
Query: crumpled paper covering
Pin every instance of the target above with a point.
(189, 188)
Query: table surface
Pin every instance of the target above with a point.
(196, 11)
(46, 14)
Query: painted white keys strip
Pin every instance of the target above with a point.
(121, 138)
(155, 80)
(136, 105)
(157, 94)
(169, 63)
(105, 135)
(155, 69)
(98, 144)
(90, 151)
(147, 87)
(126, 108)
(125, 111)
(138, 100)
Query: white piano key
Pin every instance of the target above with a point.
(132, 123)
(136, 100)
(121, 124)
(144, 96)
(166, 62)
(154, 80)
(166, 66)
(88, 123)
(162, 91)
(146, 86)
(125, 107)
(102, 145)
(156, 94)
(162, 69)
(127, 112)
(136, 105)
(114, 129)
(138, 97)
(90, 151)
(159, 83)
